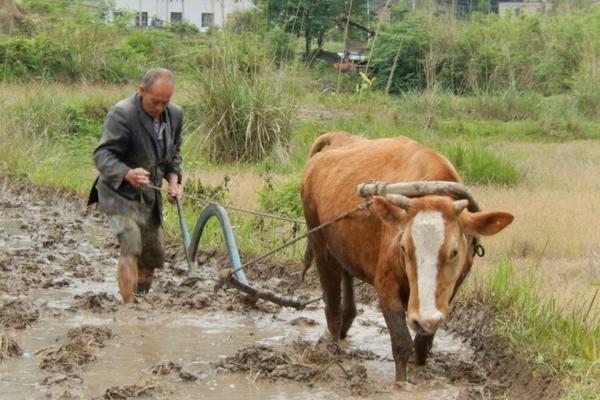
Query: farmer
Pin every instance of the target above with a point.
(139, 147)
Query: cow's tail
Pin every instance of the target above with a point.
(308, 260)
(331, 139)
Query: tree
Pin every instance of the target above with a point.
(311, 18)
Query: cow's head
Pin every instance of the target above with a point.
(435, 246)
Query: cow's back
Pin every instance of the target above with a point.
(329, 183)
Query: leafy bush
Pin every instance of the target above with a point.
(282, 199)
(489, 54)
(72, 43)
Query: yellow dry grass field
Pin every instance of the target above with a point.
(556, 232)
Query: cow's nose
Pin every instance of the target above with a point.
(424, 327)
(416, 325)
(431, 325)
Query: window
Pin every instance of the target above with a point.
(176, 17)
(144, 19)
(207, 20)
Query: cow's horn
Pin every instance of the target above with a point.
(416, 189)
(460, 205)
(399, 200)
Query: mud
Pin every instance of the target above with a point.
(512, 371)
(141, 389)
(96, 302)
(59, 298)
(305, 362)
(67, 358)
(9, 348)
(17, 314)
(78, 350)
(93, 336)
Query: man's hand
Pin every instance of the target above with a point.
(138, 177)
(173, 189)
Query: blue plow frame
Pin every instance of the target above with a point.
(190, 244)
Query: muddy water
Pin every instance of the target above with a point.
(70, 255)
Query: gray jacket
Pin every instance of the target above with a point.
(129, 141)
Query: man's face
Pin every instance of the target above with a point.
(156, 98)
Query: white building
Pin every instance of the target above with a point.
(202, 13)
(523, 7)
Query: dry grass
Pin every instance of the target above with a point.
(243, 185)
(556, 232)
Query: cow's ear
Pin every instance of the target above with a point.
(388, 212)
(487, 222)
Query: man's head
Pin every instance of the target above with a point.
(156, 91)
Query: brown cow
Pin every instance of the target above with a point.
(345, 67)
(415, 251)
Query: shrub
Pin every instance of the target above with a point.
(242, 106)
(490, 53)
(282, 199)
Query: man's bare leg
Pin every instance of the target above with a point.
(127, 275)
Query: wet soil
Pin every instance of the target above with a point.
(512, 371)
(9, 348)
(59, 303)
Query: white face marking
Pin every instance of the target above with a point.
(428, 237)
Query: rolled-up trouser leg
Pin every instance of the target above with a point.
(153, 253)
(130, 241)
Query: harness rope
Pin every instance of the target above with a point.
(242, 210)
(228, 277)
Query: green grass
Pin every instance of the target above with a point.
(570, 343)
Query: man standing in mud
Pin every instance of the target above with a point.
(140, 146)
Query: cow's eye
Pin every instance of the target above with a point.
(453, 254)
(403, 249)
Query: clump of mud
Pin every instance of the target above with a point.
(17, 314)
(77, 352)
(268, 363)
(97, 302)
(514, 376)
(89, 335)
(143, 388)
(303, 321)
(67, 358)
(304, 362)
(63, 393)
(9, 348)
(167, 368)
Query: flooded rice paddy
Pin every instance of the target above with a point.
(68, 336)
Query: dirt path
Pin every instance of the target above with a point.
(68, 336)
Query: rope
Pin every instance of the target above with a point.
(238, 209)
(362, 206)
(268, 295)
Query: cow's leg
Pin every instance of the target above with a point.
(401, 341)
(388, 292)
(348, 304)
(422, 346)
(330, 275)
